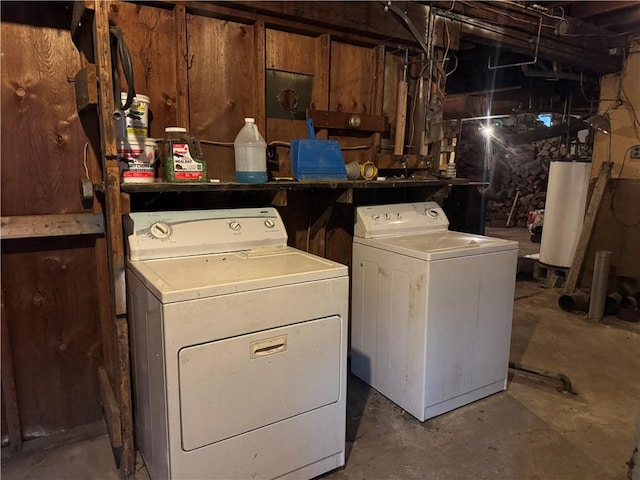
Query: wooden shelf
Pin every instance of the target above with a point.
(274, 186)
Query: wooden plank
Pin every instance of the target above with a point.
(50, 294)
(377, 92)
(388, 161)
(285, 130)
(290, 52)
(125, 456)
(223, 188)
(320, 86)
(29, 226)
(182, 67)
(41, 155)
(111, 170)
(259, 69)
(221, 52)
(123, 387)
(86, 85)
(151, 35)
(9, 395)
(340, 120)
(364, 18)
(351, 78)
(110, 408)
(577, 265)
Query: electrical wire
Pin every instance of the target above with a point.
(219, 144)
(584, 95)
(84, 160)
(356, 147)
(276, 143)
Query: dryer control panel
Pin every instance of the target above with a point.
(399, 219)
(154, 235)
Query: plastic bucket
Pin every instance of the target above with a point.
(140, 168)
(135, 121)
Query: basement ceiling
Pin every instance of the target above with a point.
(548, 55)
(617, 16)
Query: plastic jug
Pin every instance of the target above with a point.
(250, 154)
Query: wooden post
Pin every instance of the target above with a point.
(577, 265)
(182, 71)
(377, 94)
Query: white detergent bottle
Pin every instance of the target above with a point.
(250, 154)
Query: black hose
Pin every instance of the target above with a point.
(119, 50)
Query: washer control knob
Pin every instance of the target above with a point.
(398, 215)
(160, 230)
(375, 217)
(234, 225)
(432, 212)
(387, 216)
(269, 223)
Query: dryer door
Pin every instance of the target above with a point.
(232, 386)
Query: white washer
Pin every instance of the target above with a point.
(239, 347)
(431, 308)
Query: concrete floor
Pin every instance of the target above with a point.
(530, 431)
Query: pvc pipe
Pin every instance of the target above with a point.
(599, 285)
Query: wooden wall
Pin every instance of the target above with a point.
(203, 65)
(49, 286)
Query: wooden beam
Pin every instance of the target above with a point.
(125, 455)
(364, 18)
(340, 121)
(30, 226)
(110, 408)
(621, 18)
(590, 9)
(9, 386)
(86, 85)
(577, 265)
(516, 27)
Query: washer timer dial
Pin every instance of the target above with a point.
(160, 230)
(269, 223)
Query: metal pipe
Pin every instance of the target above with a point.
(599, 285)
(566, 381)
(612, 303)
(574, 302)
(519, 64)
(411, 27)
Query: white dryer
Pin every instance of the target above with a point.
(239, 347)
(431, 308)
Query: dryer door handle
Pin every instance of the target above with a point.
(269, 346)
